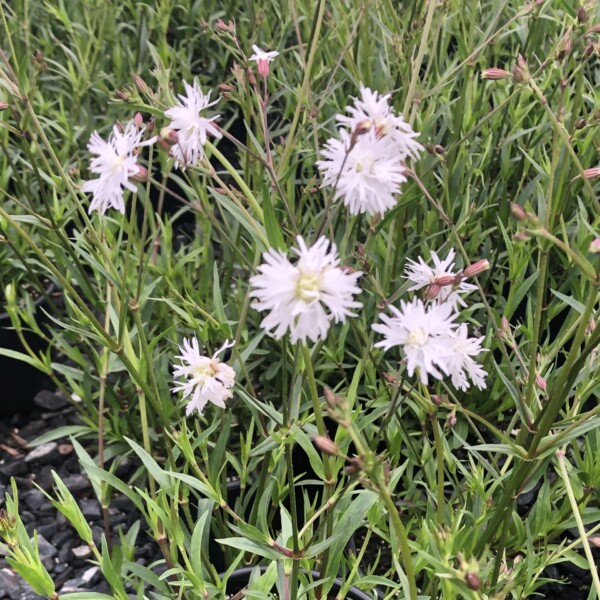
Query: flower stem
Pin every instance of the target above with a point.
(580, 526)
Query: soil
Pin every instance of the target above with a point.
(63, 553)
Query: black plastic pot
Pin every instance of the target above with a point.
(240, 577)
(20, 381)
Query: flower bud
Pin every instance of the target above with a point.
(433, 291)
(581, 123)
(540, 382)
(505, 325)
(228, 27)
(520, 72)
(444, 280)
(494, 74)
(169, 135)
(439, 149)
(517, 212)
(591, 173)
(473, 580)
(451, 420)
(326, 445)
(333, 400)
(477, 268)
(142, 175)
(582, 15)
(594, 541)
(437, 399)
(226, 87)
(3, 106)
(138, 120)
(140, 84)
(595, 246)
(263, 68)
(522, 236)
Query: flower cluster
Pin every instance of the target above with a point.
(116, 160)
(364, 164)
(433, 343)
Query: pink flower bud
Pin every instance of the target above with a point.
(169, 135)
(141, 175)
(140, 84)
(433, 291)
(477, 268)
(3, 106)
(591, 173)
(517, 212)
(494, 74)
(445, 280)
(595, 246)
(540, 382)
(138, 119)
(263, 68)
(326, 445)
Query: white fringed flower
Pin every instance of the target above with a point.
(204, 379)
(366, 175)
(192, 128)
(421, 275)
(373, 111)
(306, 296)
(262, 59)
(115, 163)
(365, 163)
(460, 363)
(423, 332)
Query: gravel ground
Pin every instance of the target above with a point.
(67, 558)
(63, 553)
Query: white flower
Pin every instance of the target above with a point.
(115, 163)
(460, 363)
(372, 111)
(423, 332)
(206, 379)
(263, 59)
(421, 275)
(304, 297)
(192, 128)
(366, 176)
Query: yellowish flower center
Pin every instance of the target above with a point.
(308, 286)
(206, 370)
(417, 337)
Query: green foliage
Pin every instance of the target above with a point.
(430, 473)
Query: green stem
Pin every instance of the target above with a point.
(580, 526)
(303, 89)
(238, 179)
(416, 66)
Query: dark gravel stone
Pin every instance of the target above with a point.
(46, 549)
(49, 401)
(34, 499)
(90, 509)
(11, 468)
(48, 531)
(43, 454)
(10, 584)
(77, 484)
(61, 537)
